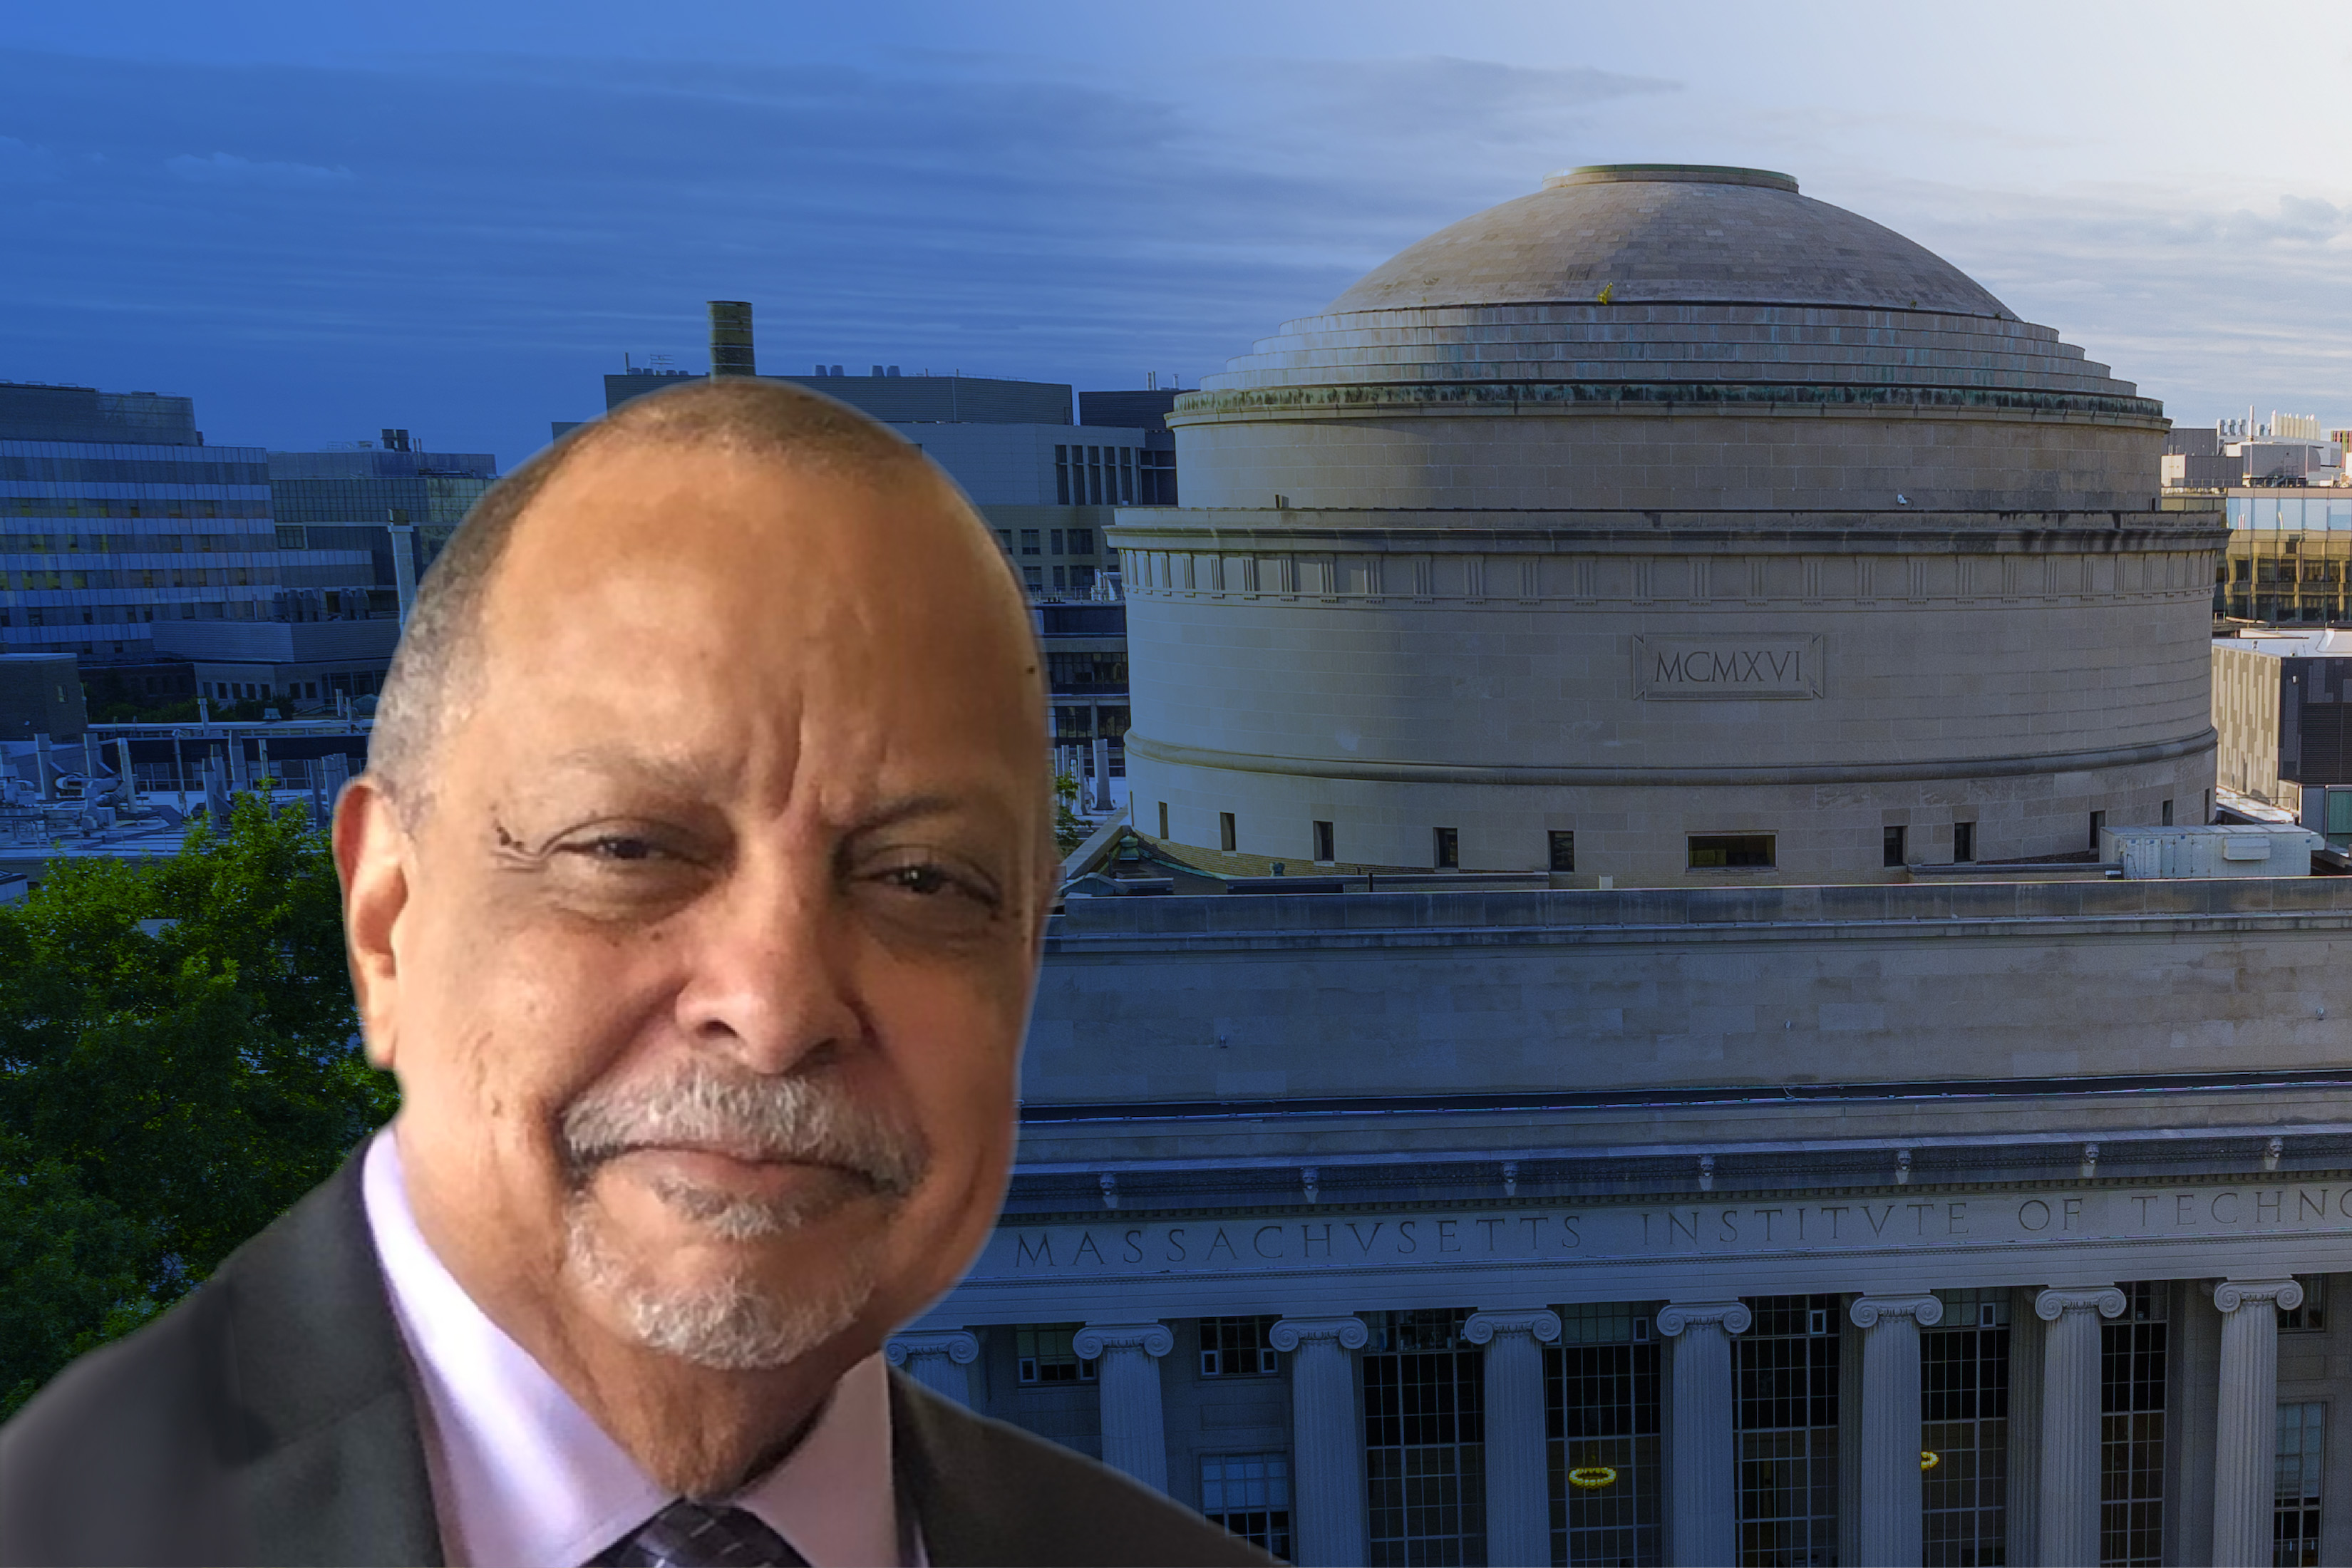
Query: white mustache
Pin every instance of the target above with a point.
(804, 1121)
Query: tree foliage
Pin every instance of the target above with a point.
(178, 1064)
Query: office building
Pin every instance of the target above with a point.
(1924, 1213)
(118, 527)
(2283, 707)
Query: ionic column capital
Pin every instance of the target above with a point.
(1924, 1310)
(2232, 1294)
(1152, 1339)
(958, 1345)
(2059, 1300)
(1542, 1322)
(1349, 1333)
(1674, 1318)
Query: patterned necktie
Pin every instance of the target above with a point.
(701, 1535)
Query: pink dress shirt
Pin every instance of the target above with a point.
(522, 1477)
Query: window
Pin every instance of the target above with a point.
(1446, 853)
(1225, 830)
(1424, 1441)
(1034, 576)
(2294, 1515)
(2312, 1314)
(1323, 852)
(1004, 537)
(1082, 542)
(1249, 1494)
(1710, 851)
(1964, 1366)
(1601, 1420)
(1964, 842)
(1237, 1347)
(1061, 577)
(1054, 541)
(2133, 1352)
(1891, 840)
(1044, 1354)
(1787, 1370)
(1163, 819)
(2167, 813)
(1028, 541)
(1563, 849)
(2098, 820)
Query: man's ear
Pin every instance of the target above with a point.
(372, 862)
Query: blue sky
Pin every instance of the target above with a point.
(319, 219)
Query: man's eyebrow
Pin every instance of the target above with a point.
(672, 773)
(909, 808)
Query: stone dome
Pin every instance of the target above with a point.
(1669, 274)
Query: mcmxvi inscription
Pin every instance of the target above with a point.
(1727, 669)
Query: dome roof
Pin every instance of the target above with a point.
(1669, 232)
(1672, 278)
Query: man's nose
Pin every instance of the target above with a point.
(768, 979)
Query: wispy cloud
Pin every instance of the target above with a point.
(229, 169)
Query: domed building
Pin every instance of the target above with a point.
(1669, 526)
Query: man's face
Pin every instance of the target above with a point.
(710, 956)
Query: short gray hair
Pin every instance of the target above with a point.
(438, 659)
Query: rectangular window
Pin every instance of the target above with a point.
(1964, 842)
(1602, 1423)
(2294, 1516)
(2167, 813)
(1225, 830)
(1044, 1354)
(1890, 849)
(1163, 819)
(1323, 851)
(1424, 1441)
(2312, 1314)
(1964, 1366)
(1237, 1347)
(1061, 577)
(1004, 537)
(2133, 1352)
(1787, 1370)
(1028, 541)
(2098, 820)
(1711, 851)
(1054, 542)
(1563, 849)
(1034, 576)
(1062, 475)
(1082, 542)
(1249, 1494)
(1446, 853)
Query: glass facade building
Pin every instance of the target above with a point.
(345, 501)
(2289, 558)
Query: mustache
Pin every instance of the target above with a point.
(801, 1120)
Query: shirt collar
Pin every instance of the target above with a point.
(521, 1474)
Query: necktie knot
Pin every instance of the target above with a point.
(701, 1535)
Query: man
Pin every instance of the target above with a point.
(695, 894)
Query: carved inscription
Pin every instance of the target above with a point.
(1723, 669)
(1727, 1230)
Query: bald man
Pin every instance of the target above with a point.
(695, 893)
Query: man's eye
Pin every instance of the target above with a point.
(920, 879)
(618, 846)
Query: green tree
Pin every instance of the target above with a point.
(178, 1063)
(1070, 829)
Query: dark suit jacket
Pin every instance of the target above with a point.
(269, 1418)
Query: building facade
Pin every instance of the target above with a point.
(2006, 1222)
(1720, 528)
(2288, 556)
(117, 522)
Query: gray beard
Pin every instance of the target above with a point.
(731, 1325)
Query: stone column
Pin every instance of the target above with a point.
(1326, 1439)
(1703, 1514)
(2245, 1429)
(1518, 1481)
(1134, 1436)
(2069, 1505)
(1888, 1528)
(937, 1361)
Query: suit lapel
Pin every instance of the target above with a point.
(335, 1469)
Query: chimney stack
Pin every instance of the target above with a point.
(730, 338)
